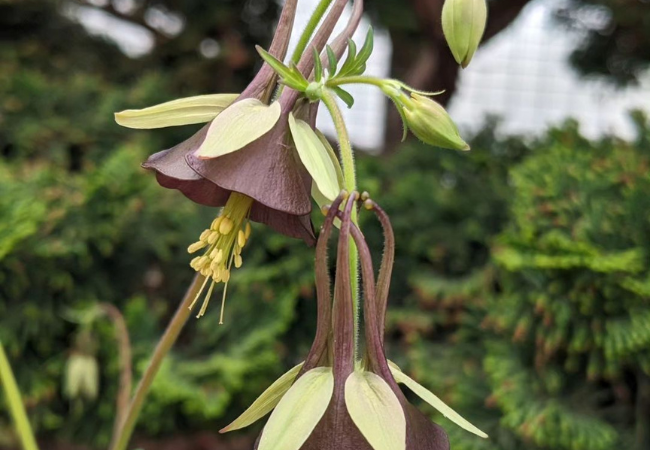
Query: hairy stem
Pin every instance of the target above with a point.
(15, 404)
(350, 179)
(168, 339)
(308, 32)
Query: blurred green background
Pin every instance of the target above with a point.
(521, 293)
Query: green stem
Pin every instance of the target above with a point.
(308, 32)
(381, 84)
(15, 404)
(350, 179)
(357, 80)
(164, 345)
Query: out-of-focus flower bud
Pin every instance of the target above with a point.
(81, 377)
(463, 22)
(429, 121)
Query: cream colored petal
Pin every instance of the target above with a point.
(184, 111)
(315, 158)
(265, 402)
(376, 411)
(237, 126)
(434, 401)
(299, 411)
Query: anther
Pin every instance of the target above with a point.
(369, 204)
(215, 224)
(365, 196)
(247, 233)
(238, 261)
(226, 225)
(196, 247)
(241, 238)
(205, 235)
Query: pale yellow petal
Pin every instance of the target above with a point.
(184, 111)
(299, 411)
(376, 411)
(237, 126)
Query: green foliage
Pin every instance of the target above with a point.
(539, 335)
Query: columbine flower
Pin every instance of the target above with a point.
(332, 401)
(259, 161)
(463, 22)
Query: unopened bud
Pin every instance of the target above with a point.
(429, 121)
(463, 22)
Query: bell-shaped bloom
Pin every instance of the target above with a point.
(463, 22)
(332, 401)
(259, 161)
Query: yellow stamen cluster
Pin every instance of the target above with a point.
(223, 241)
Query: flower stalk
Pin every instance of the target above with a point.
(121, 440)
(15, 404)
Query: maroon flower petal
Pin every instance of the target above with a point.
(267, 170)
(173, 172)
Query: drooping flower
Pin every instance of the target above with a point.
(332, 401)
(255, 159)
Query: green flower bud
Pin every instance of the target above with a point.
(429, 121)
(463, 22)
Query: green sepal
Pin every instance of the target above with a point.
(265, 403)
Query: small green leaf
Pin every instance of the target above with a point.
(364, 53)
(315, 157)
(299, 411)
(376, 411)
(290, 76)
(331, 57)
(318, 67)
(349, 61)
(265, 402)
(239, 125)
(434, 401)
(344, 95)
(184, 111)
